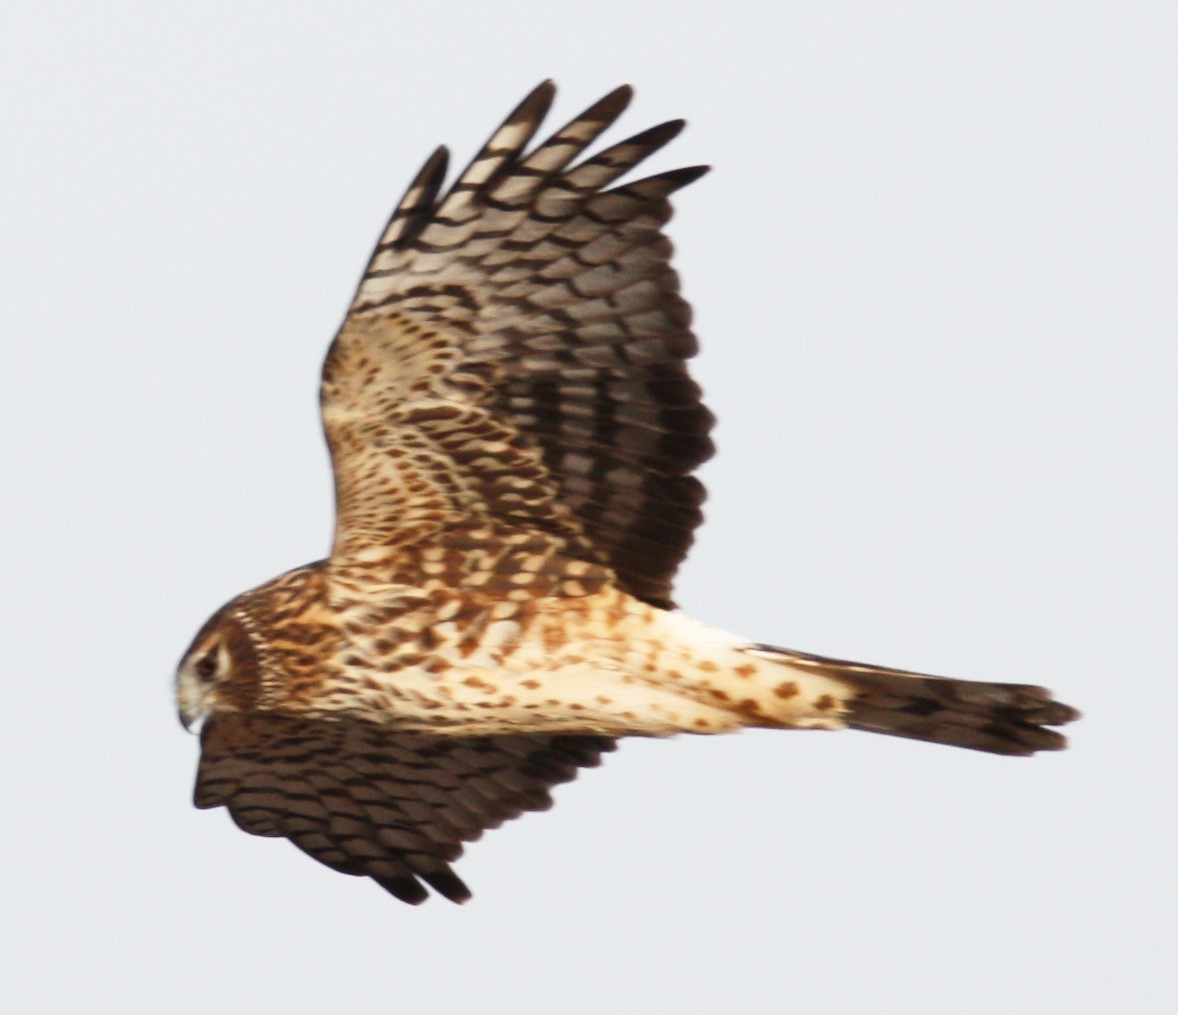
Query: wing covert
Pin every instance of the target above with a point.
(516, 354)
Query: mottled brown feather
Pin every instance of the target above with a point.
(525, 329)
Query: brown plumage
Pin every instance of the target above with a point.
(513, 432)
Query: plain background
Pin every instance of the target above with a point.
(934, 275)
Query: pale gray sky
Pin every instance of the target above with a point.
(934, 276)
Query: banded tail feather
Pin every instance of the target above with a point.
(1014, 719)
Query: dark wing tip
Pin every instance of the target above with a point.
(688, 174)
(661, 133)
(534, 106)
(407, 889)
(611, 105)
(447, 884)
(435, 165)
(431, 176)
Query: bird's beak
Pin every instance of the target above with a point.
(189, 712)
(191, 721)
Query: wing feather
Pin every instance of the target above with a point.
(415, 208)
(525, 331)
(368, 801)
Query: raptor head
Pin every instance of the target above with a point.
(219, 671)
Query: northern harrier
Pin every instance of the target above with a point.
(513, 431)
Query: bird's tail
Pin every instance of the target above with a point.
(999, 718)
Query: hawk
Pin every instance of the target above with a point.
(513, 432)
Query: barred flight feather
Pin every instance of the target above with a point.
(548, 302)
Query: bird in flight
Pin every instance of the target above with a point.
(513, 432)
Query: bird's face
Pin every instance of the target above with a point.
(218, 673)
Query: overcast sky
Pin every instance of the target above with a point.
(934, 279)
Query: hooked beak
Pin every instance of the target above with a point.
(189, 712)
(191, 721)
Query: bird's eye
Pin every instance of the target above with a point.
(206, 666)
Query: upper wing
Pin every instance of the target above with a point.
(515, 355)
(364, 800)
